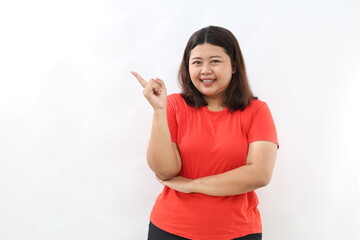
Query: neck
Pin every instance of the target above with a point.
(215, 104)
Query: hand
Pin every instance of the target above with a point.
(178, 183)
(154, 91)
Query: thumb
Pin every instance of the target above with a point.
(161, 83)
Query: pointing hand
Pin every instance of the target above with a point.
(154, 91)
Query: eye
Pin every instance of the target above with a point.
(215, 61)
(196, 62)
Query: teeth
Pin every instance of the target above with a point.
(207, 81)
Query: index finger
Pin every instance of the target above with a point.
(139, 78)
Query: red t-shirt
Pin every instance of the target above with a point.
(212, 143)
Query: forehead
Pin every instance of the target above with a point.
(206, 50)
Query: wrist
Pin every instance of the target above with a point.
(159, 111)
(194, 188)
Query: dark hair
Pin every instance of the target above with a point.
(238, 94)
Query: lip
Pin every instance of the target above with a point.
(207, 81)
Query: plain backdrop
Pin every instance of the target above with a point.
(74, 124)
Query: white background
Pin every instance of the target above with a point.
(74, 125)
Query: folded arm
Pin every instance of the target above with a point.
(255, 174)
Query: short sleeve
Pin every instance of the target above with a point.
(171, 117)
(262, 126)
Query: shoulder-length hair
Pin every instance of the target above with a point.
(238, 94)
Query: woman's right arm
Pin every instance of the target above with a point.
(162, 155)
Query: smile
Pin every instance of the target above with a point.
(207, 82)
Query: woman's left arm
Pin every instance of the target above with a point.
(255, 174)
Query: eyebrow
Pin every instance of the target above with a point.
(215, 56)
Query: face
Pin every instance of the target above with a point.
(210, 70)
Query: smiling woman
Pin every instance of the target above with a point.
(226, 53)
(211, 146)
(210, 71)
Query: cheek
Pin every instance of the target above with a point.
(227, 73)
(193, 73)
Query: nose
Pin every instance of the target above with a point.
(206, 69)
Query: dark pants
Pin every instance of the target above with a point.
(156, 233)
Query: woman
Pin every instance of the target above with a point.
(211, 146)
